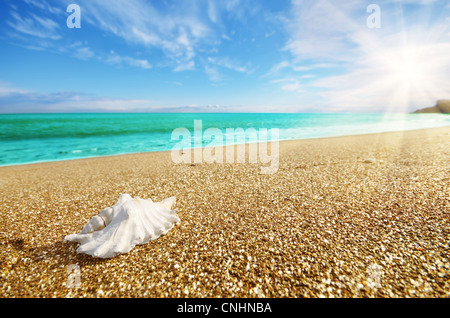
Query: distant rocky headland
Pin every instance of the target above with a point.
(441, 107)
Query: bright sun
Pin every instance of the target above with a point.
(394, 74)
(398, 65)
(408, 68)
(411, 74)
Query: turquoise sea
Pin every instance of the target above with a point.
(29, 138)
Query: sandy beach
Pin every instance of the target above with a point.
(355, 216)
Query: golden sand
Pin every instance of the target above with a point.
(359, 216)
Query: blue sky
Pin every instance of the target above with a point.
(223, 56)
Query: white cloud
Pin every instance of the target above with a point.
(212, 66)
(293, 87)
(186, 66)
(116, 59)
(84, 53)
(180, 29)
(421, 2)
(226, 37)
(278, 67)
(179, 33)
(176, 33)
(241, 9)
(321, 29)
(400, 78)
(292, 66)
(14, 100)
(212, 11)
(228, 63)
(399, 67)
(7, 90)
(34, 25)
(213, 73)
(290, 84)
(44, 6)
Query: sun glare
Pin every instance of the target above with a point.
(412, 74)
(408, 68)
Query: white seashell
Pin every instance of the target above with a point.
(98, 222)
(130, 222)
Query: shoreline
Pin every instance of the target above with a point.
(350, 216)
(234, 145)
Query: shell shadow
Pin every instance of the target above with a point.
(64, 253)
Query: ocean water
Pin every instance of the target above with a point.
(30, 138)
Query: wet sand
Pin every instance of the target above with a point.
(355, 216)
